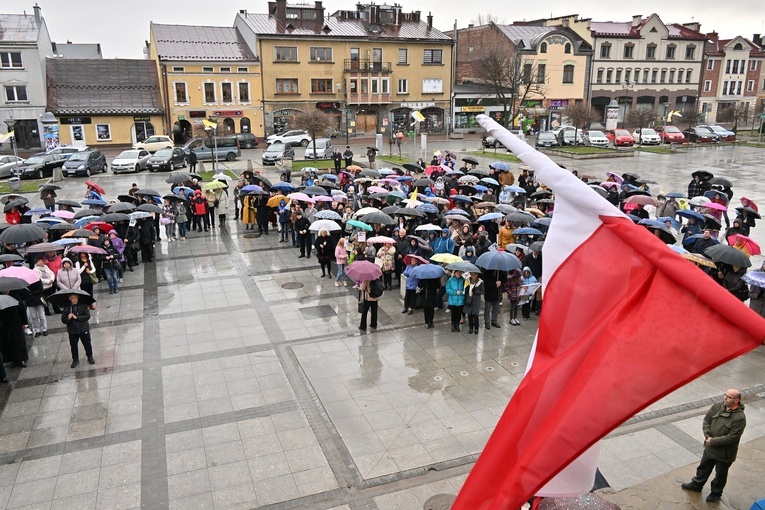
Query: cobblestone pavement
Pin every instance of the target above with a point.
(229, 375)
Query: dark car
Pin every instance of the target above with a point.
(85, 163)
(168, 159)
(39, 167)
(700, 134)
(547, 139)
(247, 140)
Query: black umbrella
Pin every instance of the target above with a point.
(600, 190)
(647, 181)
(22, 233)
(13, 203)
(390, 209)
(262, 180)
(82, 213)
(630, 176)
(13, 196)
(378, 196)
(178, 178)
(150, 208)
(114, 217)
(49, 186)
(10, 257)
(664, 234)
(128, 199)
(62, 227)
(704, 175)
(368, 172)
(67, 202)
(519, 217)
(315, 190)
(633, 192)
(412, 167)
(545, 201)
(378, 217)
(120, 207)
(467, 188)
(148, 192)
(8, 284)
(372, 148)
(328, 185)
(470, 159)
(424, 182)
(537, 246)
(478, 172)
(408, 211)
(81, 233)
(542, 193)
(174, 197)
(748, 211)
(62, 297)
(728, 255)
(720, 181)
(8, 301)
(712, 222)
(44, 248)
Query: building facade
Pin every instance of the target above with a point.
(24, 46)
(731, 79)
(206, 72)
(369, 69)
(556, 58)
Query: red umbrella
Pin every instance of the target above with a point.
(95, 187)
(748, 203)
(746, 242)
(408, 259)
(105, 227)
(86, 248)
(432, 168)
(21, 273)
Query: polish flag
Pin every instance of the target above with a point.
(625, 321)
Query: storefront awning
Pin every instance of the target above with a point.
(535, 111)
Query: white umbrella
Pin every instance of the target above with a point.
(428, 227)
(323, 225)
(365, 210)
(220, 176)
(139, 214)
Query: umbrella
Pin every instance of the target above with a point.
(542, 193)
(425, 182)
(712, 222)
(283, 186)
(432, 168)
(519, 217)
(479, 172)
(331, 177)
(220, 176)
(327, 215)
(331, 185)
(359, 224)
(213, 185)
(363, 270)
(630, 175)
(704, 175)
(427, 272)
(178, 178)
(21, 233)
(275, 200)
(457, 217)
(95, 186)
(67, 241)
(699, 259)
(468, 179)
(720, 181)
(86, 248)
(390, 209)
(115, 217)
(490, 181)
(10, 257)
(500, 166)
(62, 297)
(715, 206)
(408, 211)
(462, 198)
(728, 255)
(44, 248)
(8, 301)
(485, 205)
(749, 211)
(139, 215)
(505, 209)
(490, 216)
(445, 258)
(133, 200)
(599, 190)
(121, 207)
(353, 168)
(377, 190)
(301, 197)
(428, 208)
(9, 283)
(527, 231)
(712, 193)
(663, 232)
(470, 159)
(675, 224)
(9, 198)
(641, 200)
(148, 192)
(315, 190)
(542, 221)
(514, 189)
(545, 201)
(365, 210)
(49, 186)
(250, 188)
(498, 261)
(412, 167)
(510, 248)
(379, 218)
(374, 174)
(687, 213)
(675, 194)
(23, 273)
(692, 239)
(328, 225)
(94, 202)
(37, 211)
(12, 204)
(756, 278)
(262, 180)
(749, 244)
(80, 233)
(537, 246)
(428, 227)
(105, 227)
(172, 197)
(150, 208)
(437, 200)
(677, 249)
(465, 267)
(381, 239)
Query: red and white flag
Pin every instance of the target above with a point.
(625, 321)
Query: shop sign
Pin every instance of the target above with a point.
(228, 113)
(558, 104)
(331, 105)
(181, 117)
(473, 109)
(75, 120)
(141, 118)
(197, 114)
(418, 105)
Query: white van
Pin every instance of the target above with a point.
(324, 149)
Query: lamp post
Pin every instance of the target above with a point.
(213, 133)
(626, 87)
(10, 122)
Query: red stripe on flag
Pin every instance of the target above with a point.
(626, 321)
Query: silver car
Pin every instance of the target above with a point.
(277, 152)
(595, 138)
(133, 160)
(7, 163)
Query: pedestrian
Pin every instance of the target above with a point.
(494, 282)
(48, 197)
(410, 287)
(455, 289)
(337, 159)
(348, 156)
(301, 226)
(181, 217)
(324, 252)
(38, 322)
(168, 220)
(368, 304)
(132, 245)
(371, 153)
(512, 288)
(387, 257)
(221, 197)
(68, 276)
(473, 293)
(87, 270)
(13, 343)
(249, 210)
(76, 316)
(341, 259)
(283, 215)
(192, 161)
(199, 208)
(262, 214)
(723, 427)
(110, 264)
(429, 292)
(527, 279)
(212, 204)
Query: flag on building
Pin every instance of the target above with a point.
(209, 123)
(417, 116)
(608, 344)
(6, 137)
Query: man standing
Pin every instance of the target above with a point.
(723, 426)
(301, 226)
(192, 161)
(348, 156)
(337, 159)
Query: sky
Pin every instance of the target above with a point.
(122, 26)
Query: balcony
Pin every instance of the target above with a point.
(366, 66)
(354, 98)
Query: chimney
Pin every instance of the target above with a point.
(564, 22)
(319, 8)
(430, 20)
(713, 36)
(470, 25)
(38, 15)
(695, 26)
(281, 9)
(757, 39)
(636, 19)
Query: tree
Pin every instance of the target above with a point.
(691, 117)
(485, 19)
(734, 113)
(509, 77)
(581, 115)
(316, 122)
(642, 116)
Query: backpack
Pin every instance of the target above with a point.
(376, 288)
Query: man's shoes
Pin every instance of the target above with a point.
(471, 330)
(404, 310)
(487, 326)
(45, 333)
(75, 363)
(21, 364)
(457, 329)
(690, 486)
(411, 312)
(453, 328)
(713, 497)
(475, 332)
(91, 360)
(496, 324)
(362, 329)
(37, 334)
(301, 257)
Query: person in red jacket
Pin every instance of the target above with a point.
(13, 217)
(199, 208)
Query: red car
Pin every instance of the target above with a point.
(620, 138)
(670, 134)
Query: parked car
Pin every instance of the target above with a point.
(85, 163)
(324, 149)
(133, 160)
(277, 152)
(620, 138)
(670, 134)
(725, 135)
(292, 137)
(646, 136)
(39, 167)
(7, 164)
(168, 159)
(547, 139)
(489, 141)
(595, 138)
(565, 135)
(247, 140)
(154, 143)
(225, 147)
(63, 150)
(700, 134)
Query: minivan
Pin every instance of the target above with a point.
(84, 163)
(227, 148)
(324, 149)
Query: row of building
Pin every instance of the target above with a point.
(368, 68)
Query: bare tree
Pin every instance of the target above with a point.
(509, 77)
(734, 113)
(485, 19)
(691, 117)
(581, 115)
(316, 122)
(642, 116)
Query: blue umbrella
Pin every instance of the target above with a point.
(501, 166)
(478, 187)
(675, 194)
(37, 210)
(427, 272)
(528, 231)
(692, 239)
(397, 194)
(687, 213)
(67, 241)
(93, 201)
(403, 178)
(489, 180)
(462, 198)
(514, 189)
(498, 261)
(491, 216)
(427, 208)
(283, 186)
(84, 221)
(178, 190)
(545, 221)
(251, 187)
(652, 223)
(465, 267)
(331, 177)
(756, 278)
(712, 192)
(457, 210)
(679, 249)
(675, 224)
(385, 171)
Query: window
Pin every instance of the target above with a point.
(527, 73)
(178, 69)
(207, 69)
(609, 75)
(568, 73)
(752, 65)
(663, 78)
(16, 93)
(285, 54)
(242, 70)
(227, 92)
(690, 51)
(543, 48)
(403, 86)
(11, 59)
(618, 76)
(225, 69)
(727, 66)
(244, 92)
(707, 85)
(688, 76)
(725, 88)
(567, 48)
(320, 55)
(385, 85)
(738, 88)
(374, 86)
(670, 52)
(605, 51)
(650, 51)
(209, 89)
(321, 86)
(287, 86)
(628, 50)
(541, 69)
(637, 75)
(654, 76)
(750, 85)
(432, 86)
(680, 76)
(403, 56)
(364, 86)
(354, 86)
(432, 57)
(710, 65)
(627, 74)
(646, 75)
(180, 93)
(672, 76)
(599, 78)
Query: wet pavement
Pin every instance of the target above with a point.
(230, 375)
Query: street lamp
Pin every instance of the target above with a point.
(10, 122)
(212, 132)
(626, 87)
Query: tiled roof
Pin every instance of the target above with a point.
(716, 47)
(98, 86)
(186, 42)
(18, 28)
(626, 29)
(333, 27)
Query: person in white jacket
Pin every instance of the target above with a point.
(68, 276)
(36, 313)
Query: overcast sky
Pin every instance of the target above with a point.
(122, 26)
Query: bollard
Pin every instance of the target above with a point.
(58, 175)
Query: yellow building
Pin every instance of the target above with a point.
(206, 72)
(369, 68)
